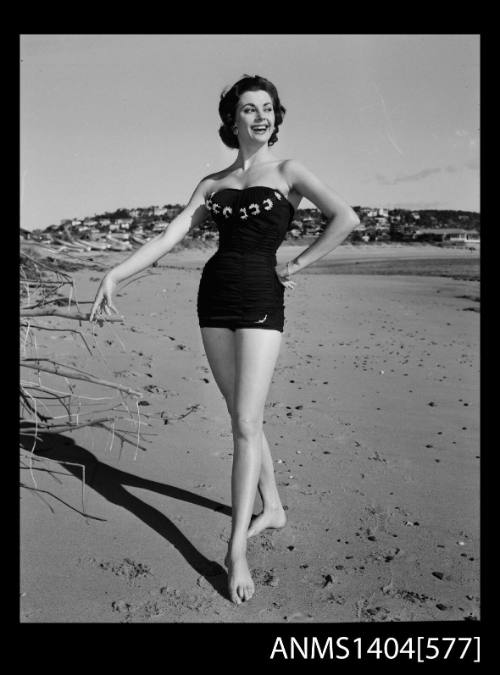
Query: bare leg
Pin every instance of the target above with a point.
(254, 364)
(273, 515)
(220, 348)
(256, 355)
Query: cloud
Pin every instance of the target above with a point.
(382, 180)
(420, 175)
(417, 176)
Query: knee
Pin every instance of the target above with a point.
(247, 426)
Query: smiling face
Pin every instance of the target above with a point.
(254, 117)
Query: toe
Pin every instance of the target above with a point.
(233, 594)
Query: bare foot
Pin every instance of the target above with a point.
(240, 583)
(274, 518)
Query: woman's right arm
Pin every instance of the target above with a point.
(194, 213)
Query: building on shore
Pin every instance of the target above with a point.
(453, 236)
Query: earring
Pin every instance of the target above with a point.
(235, 130)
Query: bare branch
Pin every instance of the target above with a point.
(60, 330)
(54, 368)
(47, 427)
(65, 314)
(24, 398)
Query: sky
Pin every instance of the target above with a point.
(123, 121)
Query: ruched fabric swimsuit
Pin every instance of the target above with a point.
(239, 287)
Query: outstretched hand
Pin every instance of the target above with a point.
(103, 301)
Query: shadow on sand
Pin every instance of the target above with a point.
(110, 483)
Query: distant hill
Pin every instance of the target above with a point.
(376, 223)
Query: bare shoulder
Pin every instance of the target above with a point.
(302, 181)
(205, 187)
(294, 171)
(209, 183)
(296, 176)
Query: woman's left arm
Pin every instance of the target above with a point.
(342, 219)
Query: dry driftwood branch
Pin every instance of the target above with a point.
(40, 287)
(43, 283)
(63, 398)
(98, 423)
(126, 440)
(54, 368)
(47, 492)
(66, 314)
(54, 394)
(59, 330)
(46, 426)
(28, 405)
(40, 263)
(52, 474)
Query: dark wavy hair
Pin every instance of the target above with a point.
(229, 100)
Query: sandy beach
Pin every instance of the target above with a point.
(372, 419)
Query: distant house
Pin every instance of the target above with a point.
(447, 234)
(160, 210)
(82, 228)
(465, 236)
(146, 212)
(25, 234)
(367, 211)
(124, 223)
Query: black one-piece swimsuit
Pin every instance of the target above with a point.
(239, 287)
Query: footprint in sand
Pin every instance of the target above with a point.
(129, 570)
(167, 600)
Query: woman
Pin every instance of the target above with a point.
(240, 296)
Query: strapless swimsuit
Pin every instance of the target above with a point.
(239, 287)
